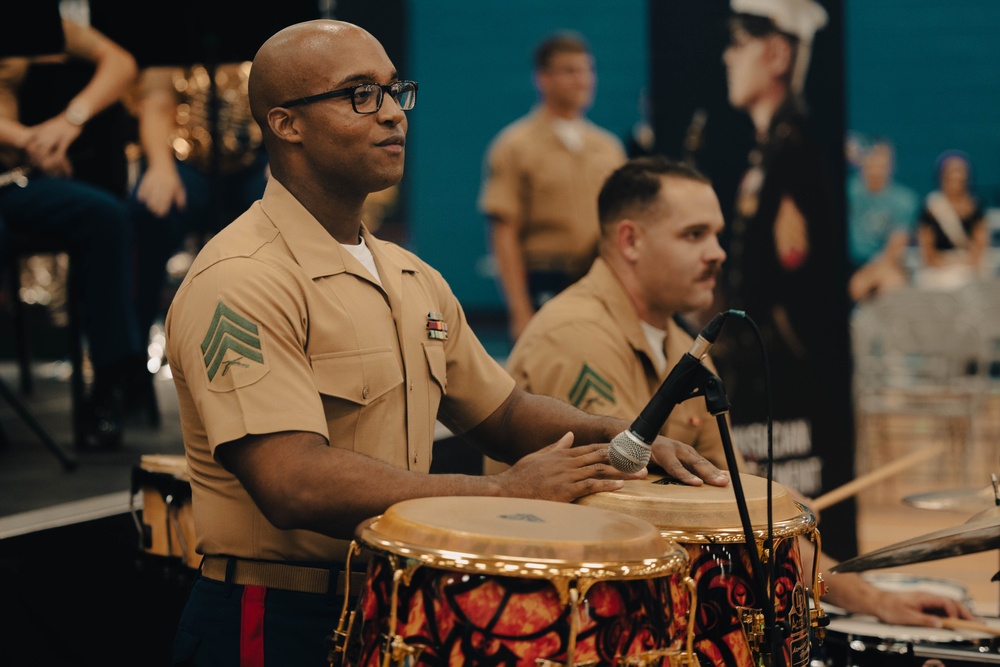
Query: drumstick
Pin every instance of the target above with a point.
(962, 624)
(858, 484)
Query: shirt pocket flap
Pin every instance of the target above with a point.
(360, 377)
(437, 365)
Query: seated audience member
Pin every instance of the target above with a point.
(40, 198)
(881, 220)
(951, 230)
(186, 185)
(607, 342)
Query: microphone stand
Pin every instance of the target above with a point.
(717, 404)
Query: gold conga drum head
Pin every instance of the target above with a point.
(523, 538)
(704, 512)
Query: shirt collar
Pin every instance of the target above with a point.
(612, 293)
(314, 249)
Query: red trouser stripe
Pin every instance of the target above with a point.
(252, 627)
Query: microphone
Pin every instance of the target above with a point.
(631, 449)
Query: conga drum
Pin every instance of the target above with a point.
(705, 519)
(166, 524)
(514, 582)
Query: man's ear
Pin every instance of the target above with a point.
(779, 56)
(628, 238)
(282, 124)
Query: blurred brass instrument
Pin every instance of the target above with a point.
(239, 137)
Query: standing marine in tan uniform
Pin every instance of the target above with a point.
(542, 174)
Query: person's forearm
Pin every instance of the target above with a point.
(13, 133)
(510, 266)
(156, 124)
(525, 423)
(115, 69)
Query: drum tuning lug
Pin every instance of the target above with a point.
(338, 641)
(654, 657)
(402, 654)
(818, 621)
(753, 626)
(821, 585)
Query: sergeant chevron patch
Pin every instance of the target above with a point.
(590, 387)
(232, 343)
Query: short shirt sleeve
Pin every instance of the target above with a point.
(500, 192)
(238, 333)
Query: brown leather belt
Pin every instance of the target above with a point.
(300, 578)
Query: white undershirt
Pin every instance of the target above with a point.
(656, 337)
(363, 254)
(570, 132)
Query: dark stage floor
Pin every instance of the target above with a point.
(76, 587)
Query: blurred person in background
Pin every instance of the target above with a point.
(881, 220)
(541, 177)
(198, 168)
(40, 198)
(951, 230)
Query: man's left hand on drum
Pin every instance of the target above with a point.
(685, 464)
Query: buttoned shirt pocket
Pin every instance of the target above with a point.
(359, 376)
(363, 400)
(437, 365)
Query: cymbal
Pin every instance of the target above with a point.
(980, 533)
(956, 500)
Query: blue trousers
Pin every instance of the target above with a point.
(294, 626)
(95, 223)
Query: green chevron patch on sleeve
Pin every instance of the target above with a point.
(230, 331)
(590, 382)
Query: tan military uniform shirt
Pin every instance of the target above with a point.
(587, 348)
(277, 328)
(548, 190)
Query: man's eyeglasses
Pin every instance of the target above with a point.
(367, 97)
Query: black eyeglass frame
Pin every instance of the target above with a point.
(350, 91)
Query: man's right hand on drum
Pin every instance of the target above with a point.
(576, 462)
(916, 608)
(859, 596)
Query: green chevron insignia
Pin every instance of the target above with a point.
(230, 331)
(589, 380)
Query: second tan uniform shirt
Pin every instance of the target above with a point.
(549, 191)
(277, 328)
(587, 348)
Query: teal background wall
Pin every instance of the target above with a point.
(926, 74)
(921, 72)
(473, 61)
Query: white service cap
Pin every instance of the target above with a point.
(801, 18)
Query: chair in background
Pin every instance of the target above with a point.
(917, 379)
(21, 247)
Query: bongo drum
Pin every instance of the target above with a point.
(729, 623)
(166, 527)
(515, 582)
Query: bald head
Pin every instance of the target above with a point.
(293, 61)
